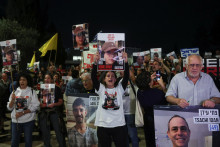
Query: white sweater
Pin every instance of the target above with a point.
(32, 104)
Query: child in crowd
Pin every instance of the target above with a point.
(110, 116)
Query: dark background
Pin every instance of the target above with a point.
(169, 24)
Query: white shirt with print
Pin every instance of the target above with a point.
(110, 116)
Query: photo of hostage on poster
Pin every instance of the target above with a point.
(80, 35)
(156, 54)
(110, 48)
(9, 52)
(138, 59)
(47, 94)
(81, 109)
(193, 126)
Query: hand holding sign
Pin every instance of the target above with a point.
(208, 103)
(125, 57)
(182, 103)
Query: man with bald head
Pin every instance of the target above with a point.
(178, 131)
(193, 87)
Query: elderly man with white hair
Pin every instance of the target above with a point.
(193, 87)
(87, 83)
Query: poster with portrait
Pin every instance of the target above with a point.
(9, 52)
(138, 59)
(199, 125)
(173, 57)
(81, 109)
(172, 54)
(66, 79)
(189, 51)
(80, 34)
(34, 68)
(110, 47)
(155, 54)
(47, 94)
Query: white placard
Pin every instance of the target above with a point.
(205, 120)
(93, 100)
(208, 112)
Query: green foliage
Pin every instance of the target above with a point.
(27, 39)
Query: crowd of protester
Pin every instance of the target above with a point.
(151, 92)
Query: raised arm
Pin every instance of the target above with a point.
(96, 83)
(126, 72)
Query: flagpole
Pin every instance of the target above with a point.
(81, 62)
(49, 58)
(55, 58)
(12, 79)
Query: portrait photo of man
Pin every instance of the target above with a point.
(81, 134)
(138, 61)
(178, 131)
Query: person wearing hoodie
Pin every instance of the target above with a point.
(23, 103)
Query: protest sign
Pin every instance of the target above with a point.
(47, 94)
(85, 105)
(80, 35)
(156, 54)
(110, 47)
(189, 51)
(203, 124)
(88, 56)
(138, 59)
(9, 52)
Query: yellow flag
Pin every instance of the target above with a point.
(49, 45)
(32, 61)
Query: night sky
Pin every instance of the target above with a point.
(169, 24)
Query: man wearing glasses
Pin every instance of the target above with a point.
(87, 83)
(193, 87)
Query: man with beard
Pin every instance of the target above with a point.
(178, 131)
(81, 135)
(193, 87)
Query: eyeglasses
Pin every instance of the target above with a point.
(192, 65)
(86, 80)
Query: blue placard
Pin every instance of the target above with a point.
(189, 51)
(213, 127)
